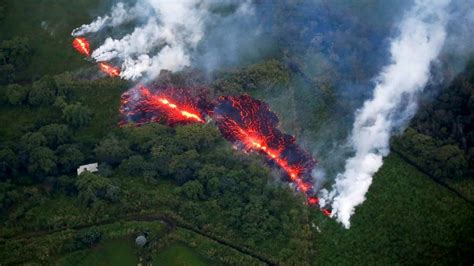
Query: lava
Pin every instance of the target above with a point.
(170, 106)
(326, 212)
(251, 126)
(109, 69)
(246, 122)
(82, 46)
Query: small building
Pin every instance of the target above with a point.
(93, 167)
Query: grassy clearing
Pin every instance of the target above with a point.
(111, 252)
(117, 241)
(178, 254)
(406, 219)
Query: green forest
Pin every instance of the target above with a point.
(196, 199)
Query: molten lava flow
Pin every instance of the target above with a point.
(170, 106)
(109, 69)
(326, 212)
(82, 46)
(313, 201)
(251, 125)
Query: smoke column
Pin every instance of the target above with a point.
(421, 38)
(165, 35)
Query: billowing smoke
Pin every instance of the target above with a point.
(421, 38)
(333, 50)
(165, 34)
(118, 16)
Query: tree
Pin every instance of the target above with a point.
(16, 94)
(9, 163)
(134, 166)
(450, 162)
(7, 73)
(143, 138)
(184, 166)
(196, 136)
(77, 115)
(60, 102)
(9, 195)
(69, 157)
(88, 238)
(56, 134)
(105, 170)
(2, 12)
(193, 190)
(41, 93)
(17, 51)
(64, 83)
(112, 150)
(93, 188)
(41, 162)
(32, 140)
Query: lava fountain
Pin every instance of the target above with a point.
(109, 69)
(82, 46)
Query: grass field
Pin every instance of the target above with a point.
(179, 254)
(111, 252)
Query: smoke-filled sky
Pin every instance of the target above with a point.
(375, 58)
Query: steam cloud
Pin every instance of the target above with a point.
(421, 38)
(152, 35)
(166, 36)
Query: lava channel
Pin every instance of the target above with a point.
(170, 106)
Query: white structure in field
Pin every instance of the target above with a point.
(93, 167)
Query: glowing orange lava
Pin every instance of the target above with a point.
(170, 106)
(326, 212)
(109, 69)
(258, 144)
(157, 100)
(313, 201)
(251, 125)
(82, 46)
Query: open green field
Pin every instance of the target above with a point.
(120, 252)
(179, 254)
(110, 252)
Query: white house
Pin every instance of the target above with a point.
(93, 167)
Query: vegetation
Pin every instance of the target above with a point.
(185, 187)
(440, 139)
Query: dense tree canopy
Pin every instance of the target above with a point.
(112, 150)
(77, 115)
(56, 134)
(93, 188)
(41, 162)
(16, 94)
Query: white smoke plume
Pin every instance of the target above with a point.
(166, 36)
(118, 16)
(421, 37)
